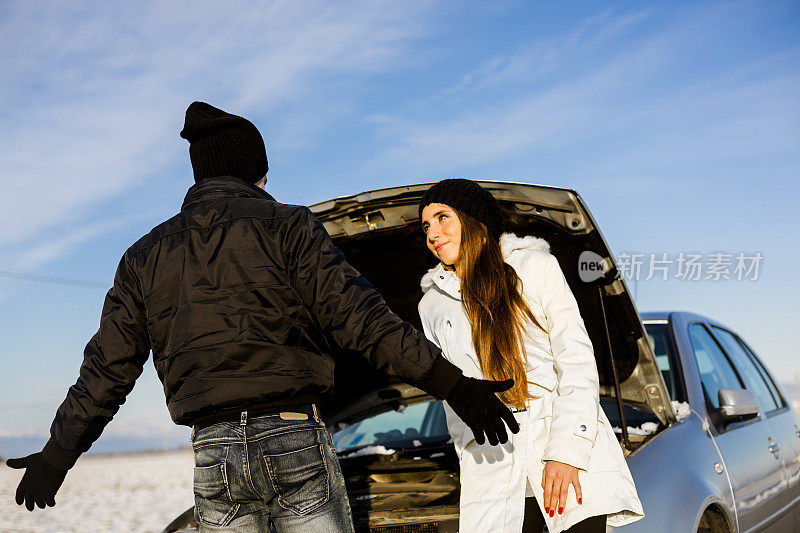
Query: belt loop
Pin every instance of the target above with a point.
(194, 430)
(244, 418)
(316, 413)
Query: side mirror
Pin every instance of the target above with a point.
(737, 405)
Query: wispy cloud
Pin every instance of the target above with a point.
(93, 96)
(538, 61)
(19, 260)
(643, 96)
(64, 238)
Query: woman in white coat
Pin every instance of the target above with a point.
(499, 307)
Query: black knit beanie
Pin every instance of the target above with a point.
(469, 198)
(221, 144)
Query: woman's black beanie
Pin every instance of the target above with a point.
(468, 197)
(221, 144)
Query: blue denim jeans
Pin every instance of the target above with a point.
(265, 473)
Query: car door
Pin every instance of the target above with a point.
(756, 474)
(783, 420)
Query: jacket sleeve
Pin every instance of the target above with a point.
(112, 361)
(575, 407)
(353, 313)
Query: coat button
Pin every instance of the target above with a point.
(583, 427)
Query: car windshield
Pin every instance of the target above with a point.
(416, 425)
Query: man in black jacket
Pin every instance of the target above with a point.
(242, 301)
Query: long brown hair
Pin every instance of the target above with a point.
(491, 293)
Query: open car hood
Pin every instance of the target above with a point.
(379, 232)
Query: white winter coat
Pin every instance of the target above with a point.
(565, 424)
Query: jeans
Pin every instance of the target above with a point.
(265, 473)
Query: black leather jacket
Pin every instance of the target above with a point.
(242, 301)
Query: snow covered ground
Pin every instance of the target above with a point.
(120, 493)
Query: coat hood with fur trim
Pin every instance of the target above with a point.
(508, 243)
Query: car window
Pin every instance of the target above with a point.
(747, 369)
(422, 423)
(661, 343)
(765, 373)
(715, 370)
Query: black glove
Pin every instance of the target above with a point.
(475, 402)
(40, 482)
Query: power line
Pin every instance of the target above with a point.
(52, 279)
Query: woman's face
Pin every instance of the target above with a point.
(443, 232)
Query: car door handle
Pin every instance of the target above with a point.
(773, 447)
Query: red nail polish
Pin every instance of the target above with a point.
(560, 510)
(552, 513)
(547, 510)
(580, 501)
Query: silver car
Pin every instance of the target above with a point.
(709, 438)
(733, 462)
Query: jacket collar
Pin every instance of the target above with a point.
(222, 187)
(449, 282)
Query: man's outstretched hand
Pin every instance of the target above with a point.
(40, 482)
(475, 401)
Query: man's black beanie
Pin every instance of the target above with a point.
(221, 144)
(469, 198)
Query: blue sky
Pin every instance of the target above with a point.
(678, 123)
